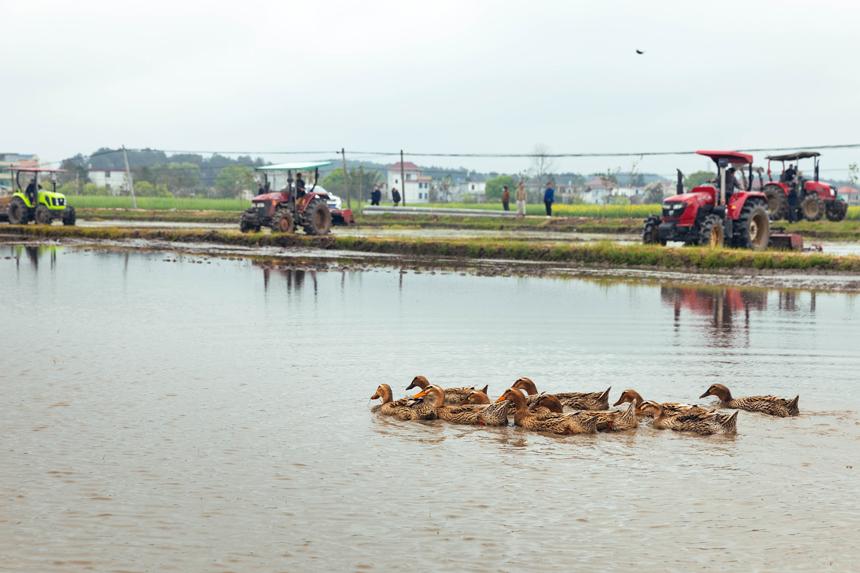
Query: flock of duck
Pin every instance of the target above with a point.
(588, 412)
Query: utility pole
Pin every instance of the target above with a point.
(402, 180)
(346, 179)
(128, 180)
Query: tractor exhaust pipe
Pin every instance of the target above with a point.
(679, 186)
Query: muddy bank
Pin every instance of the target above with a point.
(735, 267)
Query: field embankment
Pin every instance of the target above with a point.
(598, 254)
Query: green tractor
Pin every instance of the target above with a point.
(29, 200)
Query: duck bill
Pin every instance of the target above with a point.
(419, 394)
(705, 395)
(619, 401)
(375, 396)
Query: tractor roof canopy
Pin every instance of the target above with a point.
(733, 157)
(294, 166)
(793, 156)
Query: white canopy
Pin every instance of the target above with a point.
(294, 166)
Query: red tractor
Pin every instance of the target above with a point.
(293, 206)
(793, 197)
(708, 216)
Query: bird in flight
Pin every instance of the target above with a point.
(640, 52)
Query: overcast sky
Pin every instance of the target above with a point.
(440, 76)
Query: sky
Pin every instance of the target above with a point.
(467, 76)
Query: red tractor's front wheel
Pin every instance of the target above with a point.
(752, 228)
(651, 232)
(317, 218)
(711, 232)
(812, 207)
(836, 210)
(777, 202)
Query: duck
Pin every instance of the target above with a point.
(771, 405)
(702, 424)
(402, 409)
(607, 420)
(563, 424)
(669, 408)
(472, 414)
(573, 400)
(452, 395)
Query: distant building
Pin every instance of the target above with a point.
(114, 180)
(7, 160)
(416, 188)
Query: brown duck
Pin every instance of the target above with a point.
(704, 424)
(556, 424)
(607, 420)
(472, 414)
(770, 405)
(573, 400)
(403, 409)
(669, 408)
(452, 395)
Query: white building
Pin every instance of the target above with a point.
(469, 189)
(7, 161)
(416, 188)
(114, 180)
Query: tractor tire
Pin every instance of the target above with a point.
(18, 212)
(70, 217)
(43, 215)
(812, 207)
(711, 232)
(777, 202)
(248, 223)
(752, 228)
(282, 222)
(317, 219)
(650, 233)
(836, 210)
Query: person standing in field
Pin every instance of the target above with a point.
(395, 196)
(375, 196)
(506, 198)
(521, 199)
(548, 198)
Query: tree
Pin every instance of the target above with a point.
(147, 189)
(359, 181)
(233, 179)
(74, 170)
(697, 178)
(542, 165)
(494, 186)
(180, 178)
(654, 194)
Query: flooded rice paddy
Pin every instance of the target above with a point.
(168, 412)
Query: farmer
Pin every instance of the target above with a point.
(732, 183)
(376, 195)
(300, 185)
(395, 196)
(792, 204)
(521, 199)
(548, 198)
(506, 198)
(32, 191)
(789, 174)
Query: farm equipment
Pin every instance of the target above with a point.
(29, 201)
(293, 206)
(712, 216)
(793, 197)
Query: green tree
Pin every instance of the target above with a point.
(360, 181)
(233, 179)
(147, 189)
(697, 178)
(654, 194)
(496, 184)
(180, 178)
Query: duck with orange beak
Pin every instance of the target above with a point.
(402, 409)
(471, 414)
(452, 395)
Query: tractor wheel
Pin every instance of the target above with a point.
(812, 208)
(752, 228)
(283, 222)
(18, 212)
(42, 216)
(650, 233)
(69, 217)
(317, 218)
(711, 232)
(777, 202)
(836, 210)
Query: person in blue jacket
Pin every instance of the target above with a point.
(548, 198)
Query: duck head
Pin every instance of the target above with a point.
(526, 384)
(436, 393)
(382, 391)
(629, 395)
(515, 396)
(478, 397)
(549, 402)
(719, 391)
(419, 382)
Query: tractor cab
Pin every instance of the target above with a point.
(793, 196)
(35, 198)
(724, 212)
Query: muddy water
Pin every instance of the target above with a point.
(177, 413)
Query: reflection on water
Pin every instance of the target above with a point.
(182, 418)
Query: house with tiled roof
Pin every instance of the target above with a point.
(415, 188)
